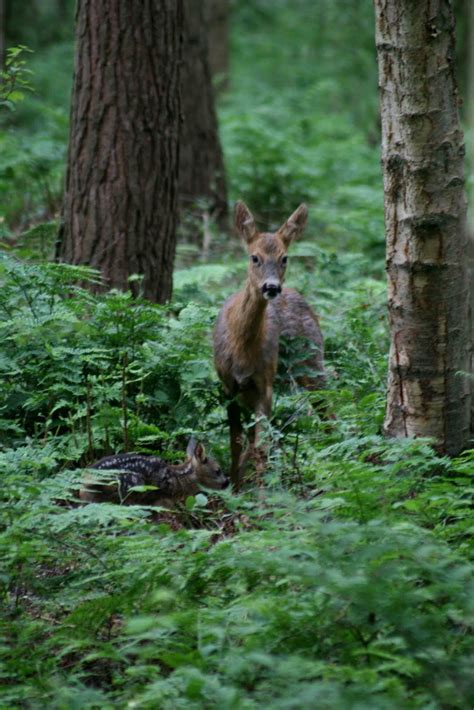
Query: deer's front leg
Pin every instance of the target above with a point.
(261, 446)
(236, 443)
(257, 450)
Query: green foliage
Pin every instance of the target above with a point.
(274, 167)
(30, 182)
(304, 132)
(349, 583)
(33, 144)
(104, 371)
(14, 78)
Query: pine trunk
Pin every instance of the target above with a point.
(425, 216)
(120, 206)
(202, 185)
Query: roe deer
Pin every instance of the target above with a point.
(249, 327)
(167, 482)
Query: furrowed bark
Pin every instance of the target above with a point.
(120, 205)
(469, 99)
(425, 216)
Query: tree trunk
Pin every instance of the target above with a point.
(217, 12)
(462, 12)
(120, 205)
(469, 98)
(202, 185)
(425, 216)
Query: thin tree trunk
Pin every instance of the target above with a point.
(425, 215)
(120, 205)
(469, 98)
(217, 12)
(202, 185)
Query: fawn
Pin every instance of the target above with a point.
(167, 482)
(249, 327)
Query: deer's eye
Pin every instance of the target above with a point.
(255, 259)
(284, 260)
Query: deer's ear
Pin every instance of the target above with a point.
(196, 450)
(244, 222)
(191, 447)
(294, 225)
(200, 452)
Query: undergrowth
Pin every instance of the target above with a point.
(348, 583)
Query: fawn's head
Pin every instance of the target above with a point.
(267, 250)
(206, 469)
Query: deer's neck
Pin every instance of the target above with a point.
(249, 318)
(183, 480)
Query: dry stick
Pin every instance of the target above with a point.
(106, 436)
(46, 426)
(90, 442)
(106, 427)
(73, 431)
(138, 400)
(207, 236)
(296, 468)
(124, 402)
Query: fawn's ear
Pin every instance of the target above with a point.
(294, 225)
(195, 450)
(245, 222)
(191, 447)
(200, 453)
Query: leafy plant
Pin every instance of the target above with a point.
(14, 78)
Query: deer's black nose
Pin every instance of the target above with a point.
(271, 289)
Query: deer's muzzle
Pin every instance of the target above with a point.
(271, 290)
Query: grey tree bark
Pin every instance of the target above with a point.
(469, 98)
(425, 216)
(121, 197)
(464, 41)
